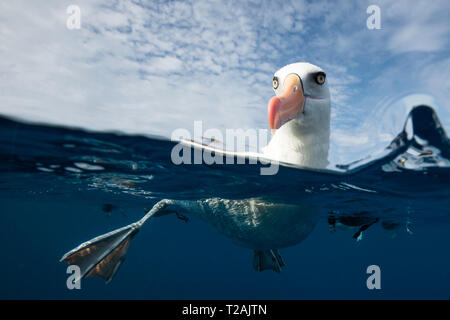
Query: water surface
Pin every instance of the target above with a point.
(60, 187)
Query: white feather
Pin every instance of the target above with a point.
(305, 140)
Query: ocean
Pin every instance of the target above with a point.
(62, 186)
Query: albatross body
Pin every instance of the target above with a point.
(299, 119)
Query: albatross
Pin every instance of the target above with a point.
(299, 116)
(299, 120)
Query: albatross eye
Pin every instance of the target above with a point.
(320, 78)
(275, 82)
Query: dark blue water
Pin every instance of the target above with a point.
(60, 187)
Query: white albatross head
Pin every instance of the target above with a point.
(299, 116)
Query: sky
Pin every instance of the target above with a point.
(150, 67)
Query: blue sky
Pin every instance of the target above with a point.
(153, 66)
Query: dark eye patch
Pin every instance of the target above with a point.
(275, 82)
(320, 77)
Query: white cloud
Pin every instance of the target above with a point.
(348, 140)
(416, 26)
(418, 38)
(163, 64)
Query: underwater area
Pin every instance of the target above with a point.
(62, 186)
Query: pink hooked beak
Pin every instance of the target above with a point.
(288, 105)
